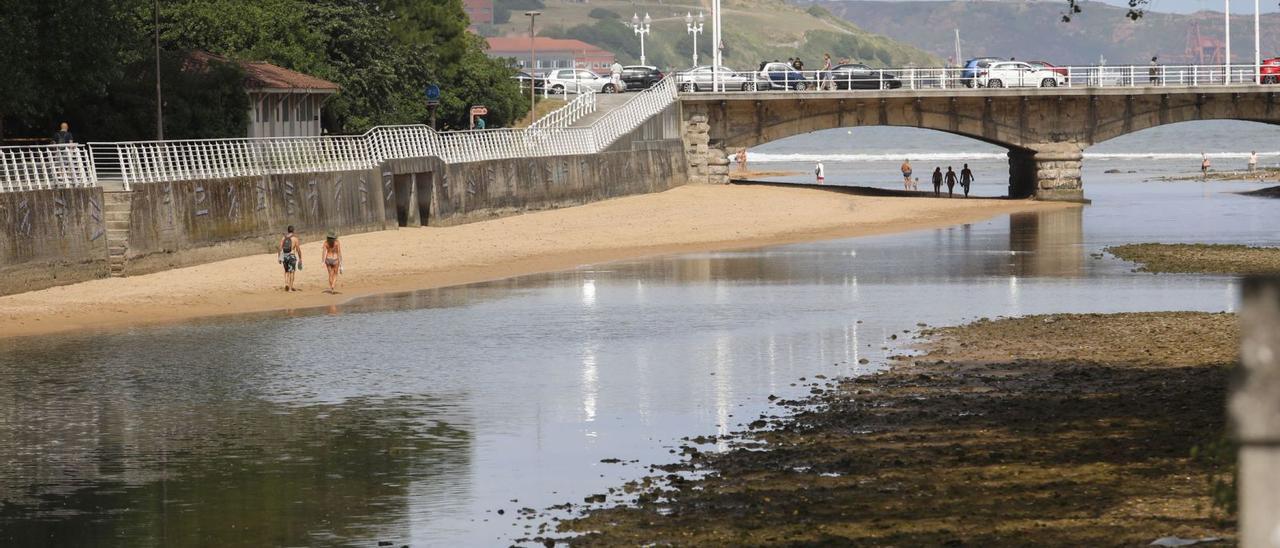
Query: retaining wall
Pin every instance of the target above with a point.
(177, 224)
(51, 237)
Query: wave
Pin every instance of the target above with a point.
(765, 157)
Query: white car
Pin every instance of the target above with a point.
(577, 81)
(1015, 74)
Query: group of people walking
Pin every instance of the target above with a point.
(965, 178)
(289, 255)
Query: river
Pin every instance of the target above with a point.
(415, 418)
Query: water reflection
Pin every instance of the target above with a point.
(1048, 243)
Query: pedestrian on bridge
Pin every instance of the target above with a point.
(63, 135)
(966, 179)
(1153, 73)
(937, 181)
(951, 183)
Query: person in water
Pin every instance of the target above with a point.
(290, 255)
(906, 174)
(937, 181)
(951, 183)
(966, 179)
(1204, 166)
(331, 253)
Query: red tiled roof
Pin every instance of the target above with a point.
(542, 44)
(262, 75)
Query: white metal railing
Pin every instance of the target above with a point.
(126, 163)
(913, 78)
(45, 166)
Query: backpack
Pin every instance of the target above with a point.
(287, 246)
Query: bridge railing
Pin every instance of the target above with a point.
(634, 112)
(563, 117)
(152, 161)
(913, 78)
(45, 166)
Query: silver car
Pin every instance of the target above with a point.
(701, 78)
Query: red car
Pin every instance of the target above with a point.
(1270, 70)
(1049, 66)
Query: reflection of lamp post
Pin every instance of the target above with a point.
(641, 28)
(533, 76)
(695, 30)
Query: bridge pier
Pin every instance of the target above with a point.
(1050, 172)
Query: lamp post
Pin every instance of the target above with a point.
(1226, 7)
(642, 28)
(1257, 44)
(533, 63)
(695, 30)
(717, 40)
(159, 96)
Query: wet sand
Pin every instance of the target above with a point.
(686, 219)
(1061, 430)
(1200, 258)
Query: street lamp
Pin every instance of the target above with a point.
(533, 76)
(695, 30)
(641, 28)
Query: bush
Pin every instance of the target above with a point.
(603, 13)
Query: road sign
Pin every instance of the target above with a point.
(479, 110)
(433, 94)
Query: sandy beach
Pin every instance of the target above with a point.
(685, 219)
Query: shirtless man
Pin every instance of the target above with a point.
(906, 174)
(290, 254)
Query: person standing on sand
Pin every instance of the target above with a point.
(951, 183)
(820, 172)
(937, 181)
(290, 255)
(915, 184)
(1253, 161)
(331, 254)
(1204, 166)
(906, 174)
(742, 160)
(966, 179)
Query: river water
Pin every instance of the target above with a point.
(414, 418)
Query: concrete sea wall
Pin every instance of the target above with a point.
(51, 237)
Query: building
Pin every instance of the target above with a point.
(551, 53)
(282, 102)
(479, 11)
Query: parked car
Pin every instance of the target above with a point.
(969, 74)
(523, 78)
(701, 78)
(1013, 74)
(860, 76)
(637, 77)
(578, 81)
(1050, 66)
(784, 76)
(1270, 70)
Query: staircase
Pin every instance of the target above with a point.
(117, 209)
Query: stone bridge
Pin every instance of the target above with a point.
(1046, 130)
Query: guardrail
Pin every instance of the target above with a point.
(45, 166)
(842, 78)
(126, 163)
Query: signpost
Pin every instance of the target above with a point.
(433, 102)
(477, 111)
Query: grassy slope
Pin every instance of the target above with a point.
(755, 30)
(987, 28)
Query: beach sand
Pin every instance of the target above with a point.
(685, 219)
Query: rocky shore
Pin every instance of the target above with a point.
(1063, 430)
(1200, 258)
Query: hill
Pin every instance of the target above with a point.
(755, 30)
(1035, 30)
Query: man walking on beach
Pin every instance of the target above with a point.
(820, 172)
(1253, 161)
(966, 179)
(906, 174)
(951, 183)
(937, 181)
(290, 255)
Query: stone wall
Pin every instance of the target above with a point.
(51, 237)
(183, 223)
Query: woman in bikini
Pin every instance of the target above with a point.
(331, 253)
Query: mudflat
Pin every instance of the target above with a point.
(1201, 258)
(685, 219)
(1057, 430)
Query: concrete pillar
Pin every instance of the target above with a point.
(1255, 413)
(1049, 171)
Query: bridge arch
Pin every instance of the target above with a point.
(1045, 131)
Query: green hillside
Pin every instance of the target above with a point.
(1035, 30)
(755, 30)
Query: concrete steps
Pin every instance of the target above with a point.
(116, 212)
